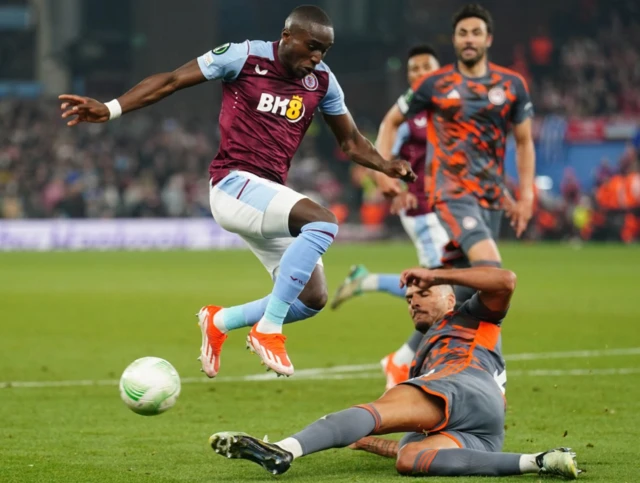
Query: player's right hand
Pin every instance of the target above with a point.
(399, 168)
(404, 201)
(85, 109)
(420, 277)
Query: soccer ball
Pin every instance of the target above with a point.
(150, 386)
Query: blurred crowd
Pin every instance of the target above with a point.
(146, 165)
(591, 68)
(141, 166)
(608, 211)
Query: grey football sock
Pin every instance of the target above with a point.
(466, 462)
(337, 430)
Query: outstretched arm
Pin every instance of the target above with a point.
(495, 285)
(361, 151)
(150, 90)
(526, 164)
(382, 447)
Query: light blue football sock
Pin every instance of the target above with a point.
(296, 266)
(299, 311)
(391, 285)
(244, 315)
(250, 313)
(276, 310)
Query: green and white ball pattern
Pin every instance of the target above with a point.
(150, 386)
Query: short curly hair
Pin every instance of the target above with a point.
(473, 10)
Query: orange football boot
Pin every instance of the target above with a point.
(395, 373)
(270, 348)
(212, 340)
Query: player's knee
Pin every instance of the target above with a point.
(403, 466)
(327, 216)
(323, 217)
(315, 296)
(320, 300)
(315, 293)
(484, 250)
(306, 212)
(405, 460)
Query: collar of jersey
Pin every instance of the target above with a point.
(487, 75)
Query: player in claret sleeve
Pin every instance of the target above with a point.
(270, 93)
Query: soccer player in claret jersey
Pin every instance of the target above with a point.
(270, 92)
(419, 221)
(471, 106)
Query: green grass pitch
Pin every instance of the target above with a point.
(85, 316)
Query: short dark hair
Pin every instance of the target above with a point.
(422, 49)
(305, 14)
(473, 10)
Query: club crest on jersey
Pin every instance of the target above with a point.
(221, 49)
(420, 122)
(310, 82)
(497, 96)
(291, 109)
(469, 222)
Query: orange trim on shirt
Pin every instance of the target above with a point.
(443, 70)
(445, 215)
(487, 335)
(504, 70)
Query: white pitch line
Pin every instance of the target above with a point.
(533, 356)
(625, 371)
(364, 371)
(268, 377)
(338, 369)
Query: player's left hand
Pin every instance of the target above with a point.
(520, 213)
(420, 277)
(398, 168)
(389, 187)
(403, 201)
